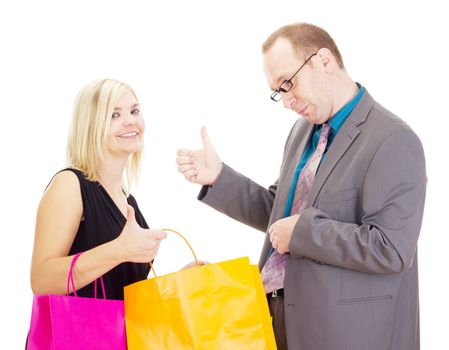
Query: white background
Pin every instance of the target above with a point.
(196, 63)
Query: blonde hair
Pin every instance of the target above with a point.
(88, 136)
(306, 39)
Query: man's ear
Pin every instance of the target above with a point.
(326, 59)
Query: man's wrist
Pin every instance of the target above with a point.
(218, 174)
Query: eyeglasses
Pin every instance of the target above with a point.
(287, 85)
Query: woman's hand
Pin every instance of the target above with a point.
(193, 264)
(137, 244)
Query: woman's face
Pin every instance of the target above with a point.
(127, 126)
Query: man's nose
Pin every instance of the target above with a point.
(289, 100)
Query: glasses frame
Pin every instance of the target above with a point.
(288, 84)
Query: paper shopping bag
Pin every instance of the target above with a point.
(215, 306)
(72, 322)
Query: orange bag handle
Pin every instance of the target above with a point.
(185, 239)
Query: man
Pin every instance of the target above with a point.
(339, 263)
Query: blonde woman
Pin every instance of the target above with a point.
(87, 207)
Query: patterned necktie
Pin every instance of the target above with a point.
(273, 272)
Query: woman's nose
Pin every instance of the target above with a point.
(130, 119)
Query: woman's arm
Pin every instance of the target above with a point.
(59, 215)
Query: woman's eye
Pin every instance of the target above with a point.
(115, 115)
(135, 112)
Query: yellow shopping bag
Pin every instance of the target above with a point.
(219, 306)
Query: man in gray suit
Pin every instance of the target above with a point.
(339, 263)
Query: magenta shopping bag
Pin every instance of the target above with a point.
(72, 322)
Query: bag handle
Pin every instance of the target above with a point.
(185, 239)
(71, 281)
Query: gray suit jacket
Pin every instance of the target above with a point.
(351, 281)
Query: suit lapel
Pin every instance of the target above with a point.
(344, 139)
(294, 154)
(298, 149)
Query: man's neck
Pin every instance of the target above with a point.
(346, 89)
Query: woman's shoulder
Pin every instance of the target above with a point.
(65, 181)
(70, 177)
(71, 173)
(62, 197)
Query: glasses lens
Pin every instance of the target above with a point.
(276, 96)
(285, 86)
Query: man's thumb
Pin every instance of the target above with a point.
(205, 137)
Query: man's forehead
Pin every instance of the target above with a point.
(280, 61)
(283, 47)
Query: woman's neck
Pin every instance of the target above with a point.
(110, 172)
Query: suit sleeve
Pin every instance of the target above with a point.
(392, 198)
(240, 198)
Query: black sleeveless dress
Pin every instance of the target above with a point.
(103, 221)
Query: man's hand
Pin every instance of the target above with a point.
(281, 232)
(200, 166)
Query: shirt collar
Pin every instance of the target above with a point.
(339, 118)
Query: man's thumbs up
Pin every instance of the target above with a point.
(201, 166)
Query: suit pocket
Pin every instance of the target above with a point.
(363, 300)
(341, 206)
(340, 196)
(358, 287)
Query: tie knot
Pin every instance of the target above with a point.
(325, 131)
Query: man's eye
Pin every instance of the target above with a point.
(285, 86)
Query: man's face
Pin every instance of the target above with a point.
(310, 95)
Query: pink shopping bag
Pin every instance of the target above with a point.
(72, 322)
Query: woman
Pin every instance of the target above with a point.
(87, 207)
